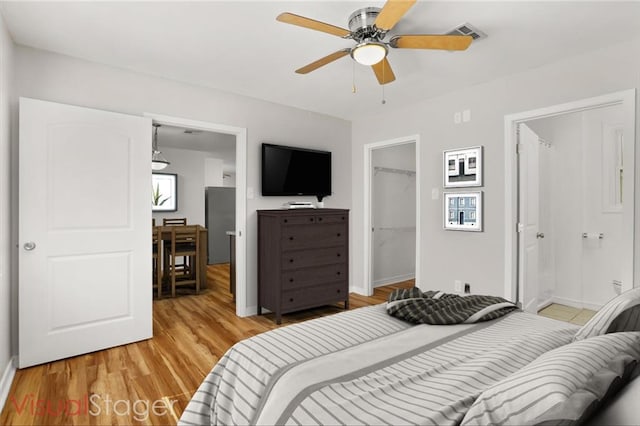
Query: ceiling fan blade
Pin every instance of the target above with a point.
(443, 42)
(391, 13)
(323, 61)
(301, 21)
(383, 71)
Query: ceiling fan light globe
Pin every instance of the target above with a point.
(158, 162)
(369, 53)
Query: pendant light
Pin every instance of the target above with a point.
(158, 162)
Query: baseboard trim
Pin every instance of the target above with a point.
(359, 290)
(6, 381)
(544, 304)
(394, 280)
(578, 304)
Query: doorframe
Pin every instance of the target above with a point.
(626, 98)
(368, 264)
(241, 195)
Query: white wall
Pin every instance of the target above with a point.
(602, 260)
(478, 257)
(190, 167)
(6, 294)
(393, 199)
(58, 78)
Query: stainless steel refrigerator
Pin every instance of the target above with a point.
(220, 217)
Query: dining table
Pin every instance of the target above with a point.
(164, 233)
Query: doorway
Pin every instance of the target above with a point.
(240, 135)
(392, 205)
(570, 194)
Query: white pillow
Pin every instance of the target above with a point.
(625, 305)
(563, 386)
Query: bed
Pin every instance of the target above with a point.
(367, 367)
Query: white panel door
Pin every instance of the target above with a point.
(529, 213)
(85, 230)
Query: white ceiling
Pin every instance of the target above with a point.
(239, 47)
(220, 145)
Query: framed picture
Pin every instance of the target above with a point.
(164, 196)
(463, 211)
(462, 167)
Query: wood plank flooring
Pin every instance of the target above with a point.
(119, 385)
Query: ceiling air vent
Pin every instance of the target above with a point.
(468, 29)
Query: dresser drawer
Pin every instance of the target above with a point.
(313, 257)
(309, 277)
(332, 218)
(297, 237)
(307, 219)
(314, 296)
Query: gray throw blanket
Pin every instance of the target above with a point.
(436, 307)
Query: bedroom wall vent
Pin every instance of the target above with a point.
(468, 30)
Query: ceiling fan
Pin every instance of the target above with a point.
(368, 27)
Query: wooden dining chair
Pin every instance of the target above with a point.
(174, 221)
(185, 242)
(156, 238)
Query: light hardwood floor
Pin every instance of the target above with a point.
(191, 332)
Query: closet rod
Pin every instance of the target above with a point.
(398, 228)
(399, 171)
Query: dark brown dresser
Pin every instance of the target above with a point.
(303, 259)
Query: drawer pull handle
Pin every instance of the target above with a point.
(338, 234)
(290, 260)
(338, 256)
(290, 280)
(310, 219)
(319, 219)
(338, 273)
(338, 290)
(342, 217)
(291, 299)
(290, 238)
(286, 221)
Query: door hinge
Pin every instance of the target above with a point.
(518, 148)
(519, 227)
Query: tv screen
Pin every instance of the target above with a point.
(295, 171)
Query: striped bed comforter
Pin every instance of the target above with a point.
(366, 367)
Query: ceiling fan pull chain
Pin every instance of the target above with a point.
(383, 79)
(353, 78)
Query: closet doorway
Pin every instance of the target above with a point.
(392, 202)
(573, 178)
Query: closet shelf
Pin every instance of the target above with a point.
(397, 171)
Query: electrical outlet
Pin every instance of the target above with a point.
(457, 117)
(457, 286)
(466, 115)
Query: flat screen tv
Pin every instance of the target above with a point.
(295, 171)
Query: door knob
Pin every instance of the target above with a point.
(29, 245)
(540, 235)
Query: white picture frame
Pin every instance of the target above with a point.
(462, 167)
(462, 211)
(164, 192)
